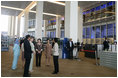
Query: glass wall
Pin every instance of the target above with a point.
(92, 32)
(48, 33)
(114, 30)
(92, 14)
(88, 29)
(100, 32)
(97, 31)
(110, 30)
(62, 33)
(84, 33)
(51, 34)
(103, 31)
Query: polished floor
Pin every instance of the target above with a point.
(68, 68)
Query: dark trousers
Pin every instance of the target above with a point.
(38, 59)
(106, 48)
(70, 54)
(26, 69)
(56, 64)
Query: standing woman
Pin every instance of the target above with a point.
(16, 53)
(55, 56)
(22, 50)
(33, 51)
(39, 50)
(48, 52)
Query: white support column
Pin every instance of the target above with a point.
(26, 17)
(71, 20)
(45, 28)
(58, 23)
(80, 24)
(9, 25)
(14, 25)
(18, 26)
(13, 21)
(39, 19)
(46, 24)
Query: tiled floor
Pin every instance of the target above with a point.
(68, 68)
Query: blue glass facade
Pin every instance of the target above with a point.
(92, 32)
(110, 3)
(110, 30)
(103, 31)
(114, 30)
(48, 33)
(88, 32)
(98, 32)
(97, 8)
(62, 34)
(93, 9)
(84, 32)
(103, 6)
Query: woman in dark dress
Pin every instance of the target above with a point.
(39, 49)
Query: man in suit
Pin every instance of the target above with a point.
(70, 47)
(27, 55)
(106, 44)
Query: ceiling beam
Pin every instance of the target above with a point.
(12, 8)
(29, 7)
(50, 14)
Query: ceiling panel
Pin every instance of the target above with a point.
(45, 17)
(17, 4)
(48, 7)
(52, 8)
(11, 12)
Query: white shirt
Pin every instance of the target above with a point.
(70, 44)
(22, 47)
(32, 46)
(55, 50)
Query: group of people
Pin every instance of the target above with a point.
(29, 48)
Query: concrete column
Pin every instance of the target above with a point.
(39, 19)
(9, 25)
(45, 23)
(71, 20)
(58, 23)
(26, 17)
(18, 26)
(80, 24)
(14, 25)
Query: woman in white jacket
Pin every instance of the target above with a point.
(33, 51)
(55, 56)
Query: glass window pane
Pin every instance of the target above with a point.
(103, 31)
(88, 29)
(92, 32)
(114, 30)
(98, 32)
(110, 30)
(84, 32)
(54, 33)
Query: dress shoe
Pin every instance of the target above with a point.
(54, 73)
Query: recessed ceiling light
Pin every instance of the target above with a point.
(45, 13)
(57, 2)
